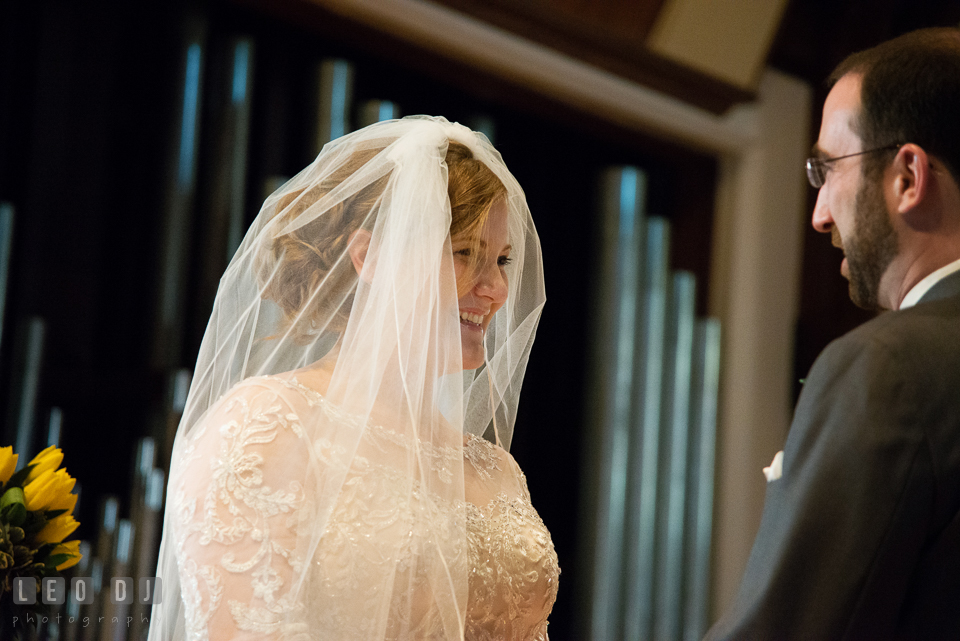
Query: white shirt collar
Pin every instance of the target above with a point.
(917, 291)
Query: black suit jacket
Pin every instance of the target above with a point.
(860, 537)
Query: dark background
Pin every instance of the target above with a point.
(88, 106)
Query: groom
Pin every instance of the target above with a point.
(860, 536)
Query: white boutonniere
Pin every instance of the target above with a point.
(775, 469)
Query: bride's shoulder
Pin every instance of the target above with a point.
(490, 471)
(286, 390)
(259, 401)
(260, 417)
(486, 458)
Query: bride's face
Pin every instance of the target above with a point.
(485, 285)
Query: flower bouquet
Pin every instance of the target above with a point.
(36, 506)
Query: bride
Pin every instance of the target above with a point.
(340, 471)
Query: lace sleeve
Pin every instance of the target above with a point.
(238, 504)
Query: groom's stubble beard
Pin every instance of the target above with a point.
(873, 244)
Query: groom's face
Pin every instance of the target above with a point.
(850, 204)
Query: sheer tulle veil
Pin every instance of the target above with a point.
(381, 332)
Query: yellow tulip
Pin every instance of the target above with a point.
(8, 463)
(64, 502)
(48, 459)
(57, 529)
(49, 489)
(69, 547)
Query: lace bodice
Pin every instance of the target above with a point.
(254, 565)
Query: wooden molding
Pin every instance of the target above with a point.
(597, 39)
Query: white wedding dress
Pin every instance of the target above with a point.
(237, 520)
(328, 479)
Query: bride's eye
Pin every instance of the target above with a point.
(503, 261)
(465, 252)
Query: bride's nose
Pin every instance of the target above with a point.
(491, 282)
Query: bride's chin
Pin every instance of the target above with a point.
(471, 346)
(471, 361)
(472, 355)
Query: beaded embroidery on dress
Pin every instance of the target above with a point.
(237, 520)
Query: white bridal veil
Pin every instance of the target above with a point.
(335, 345)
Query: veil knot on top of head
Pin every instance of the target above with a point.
(432, 134)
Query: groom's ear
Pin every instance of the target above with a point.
(357, 246)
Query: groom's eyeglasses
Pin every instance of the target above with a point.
(817, 167)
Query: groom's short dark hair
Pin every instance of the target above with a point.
(910, 92)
